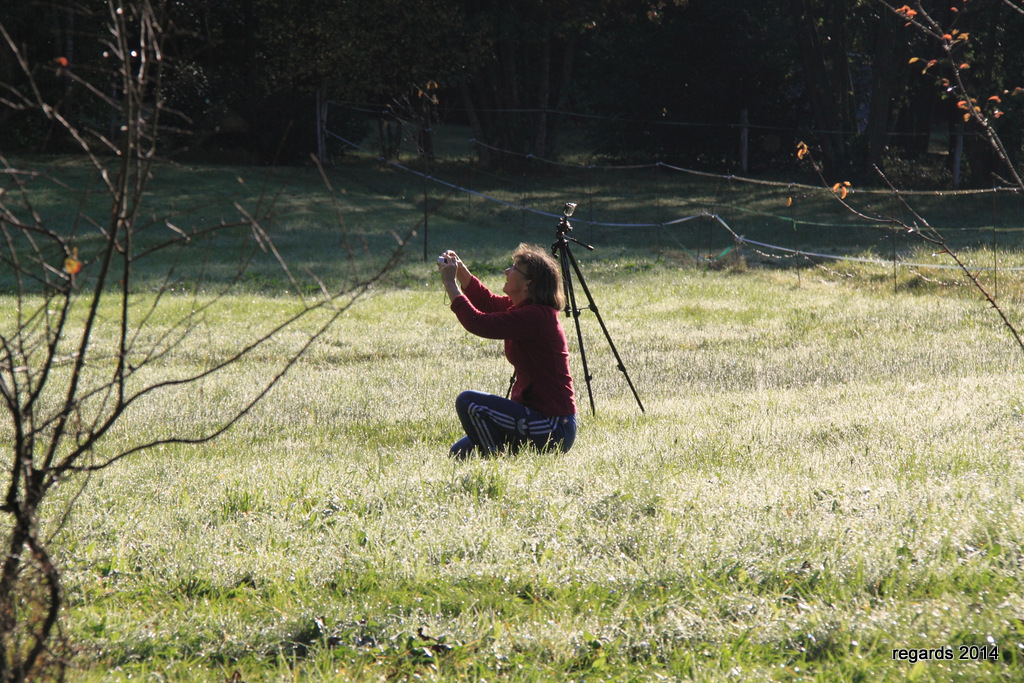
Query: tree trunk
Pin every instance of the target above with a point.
(540, 140)
(483, 153)
(321, 125)
(886, 79)
(826, 74)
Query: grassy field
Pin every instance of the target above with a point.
(828, 471)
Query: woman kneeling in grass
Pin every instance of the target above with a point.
(542, 409)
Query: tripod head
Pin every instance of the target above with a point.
(564, 226)
(562, 237)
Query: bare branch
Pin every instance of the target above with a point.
(925, 232)
(1014, 6)
(85, 349)
(924, 22)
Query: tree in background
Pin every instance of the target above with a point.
(631, 78)
(863, 117)
(825, 41)
(981, 103)
(526, 71)
(45, 32)
(362, 53)
(673, 81)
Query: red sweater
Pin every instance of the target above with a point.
(534, 344)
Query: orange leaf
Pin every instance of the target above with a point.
(962, 104)
(997, 113)
(801, 150)
(62, 61)
(71, 264)
(995, 98)
(914, 59)
(965, 65)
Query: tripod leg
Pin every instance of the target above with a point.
(571, 309)
(593, 306)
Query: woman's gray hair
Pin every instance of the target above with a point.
(543, 273)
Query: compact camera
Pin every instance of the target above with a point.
(441, 259)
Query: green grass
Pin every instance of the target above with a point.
(829, 468)
(824, 473)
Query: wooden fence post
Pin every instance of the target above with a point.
(744, 139)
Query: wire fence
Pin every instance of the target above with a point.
(711, 217)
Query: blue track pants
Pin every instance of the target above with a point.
(495, 424)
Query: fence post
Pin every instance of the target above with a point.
(744, 138)
(426, 204)
(995, 253)
(321, 125)
(958, 154)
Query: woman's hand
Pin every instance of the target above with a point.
(451, 273)
(449, 267)
(462, 272)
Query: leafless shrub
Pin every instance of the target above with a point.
(80, 350)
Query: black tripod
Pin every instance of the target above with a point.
(560, 248)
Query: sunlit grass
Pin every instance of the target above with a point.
(825, 471)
